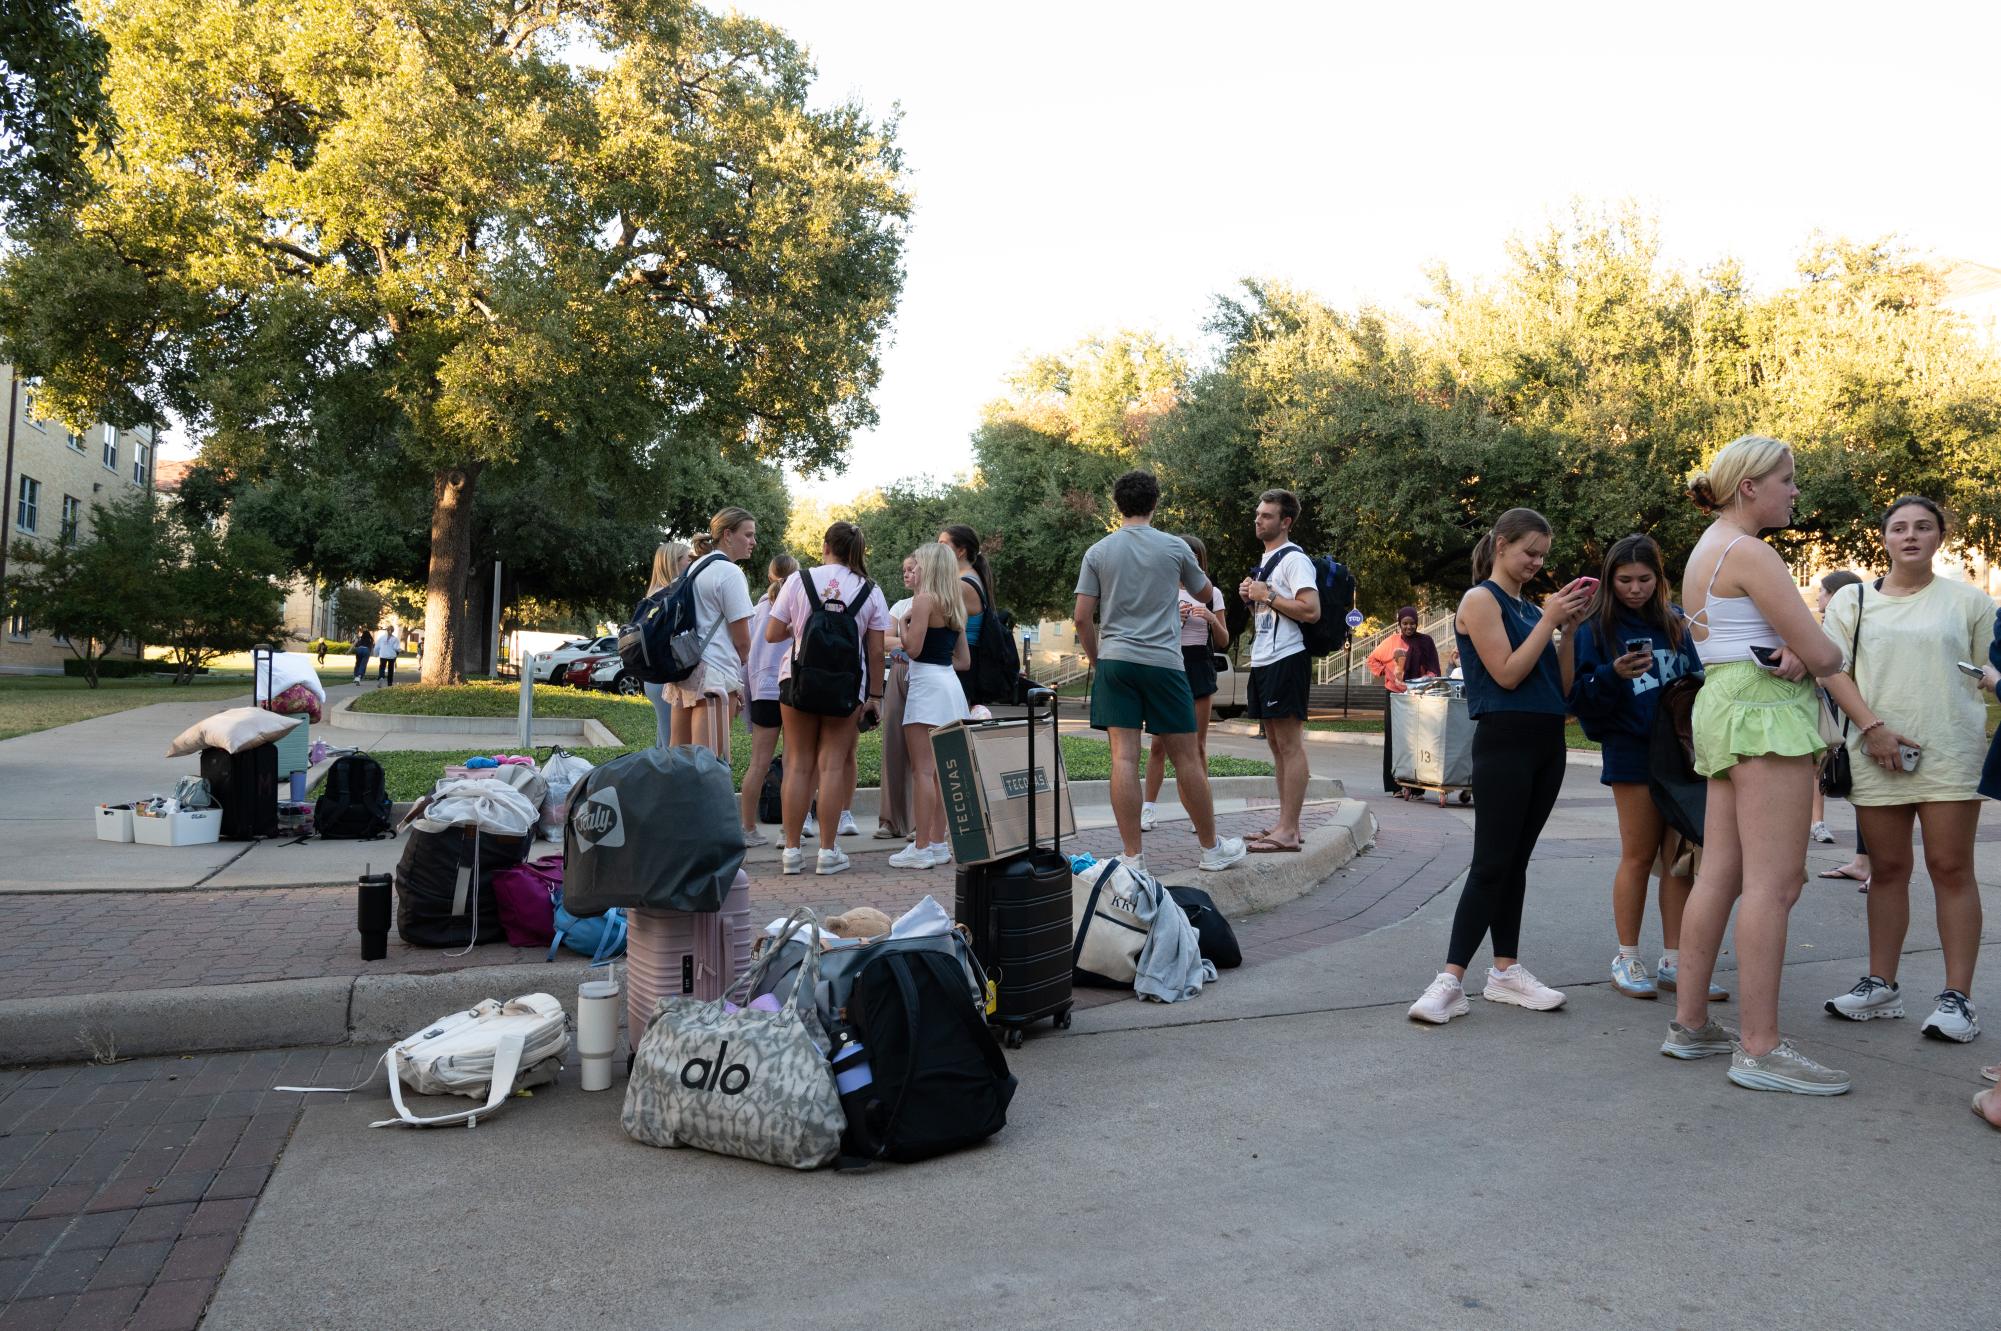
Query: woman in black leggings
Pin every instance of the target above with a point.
(1517, 681)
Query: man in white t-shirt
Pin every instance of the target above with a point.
(387, 648)
(1282, 595)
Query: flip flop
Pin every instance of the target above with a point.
(1981, 1109)
(1993, 1073)
(1844, 872)
(1266, 846)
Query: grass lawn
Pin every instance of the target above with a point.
(412, 773)
(38, 702)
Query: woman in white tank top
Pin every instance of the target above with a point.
(1757, 739)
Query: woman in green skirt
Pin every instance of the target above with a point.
(1757, 739)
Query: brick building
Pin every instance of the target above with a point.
(51, 481)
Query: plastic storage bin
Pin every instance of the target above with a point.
(190, 827)
(114, 822)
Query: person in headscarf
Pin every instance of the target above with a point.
(1404, 655)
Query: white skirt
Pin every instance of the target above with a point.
(932, 696)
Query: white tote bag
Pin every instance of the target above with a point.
(1106, 927)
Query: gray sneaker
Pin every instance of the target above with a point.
(1711, 1040)
(1786, 1069)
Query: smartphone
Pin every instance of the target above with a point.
(1639, 645)
(1968, 668)
(869, 721)
(1768, 657)
(1908, 755)
(1589, 584)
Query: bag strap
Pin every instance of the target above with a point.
(507, 1051)
(612, 940)
(1270, 566)
(860, 602)
(1854, 649)
(1090, 913)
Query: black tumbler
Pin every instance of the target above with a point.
(371, 915)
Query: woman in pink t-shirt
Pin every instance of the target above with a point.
(820, 749)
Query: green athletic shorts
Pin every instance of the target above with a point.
(1125, 696)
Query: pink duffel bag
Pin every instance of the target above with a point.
(527, 894)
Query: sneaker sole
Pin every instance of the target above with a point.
(1689, 1052)
(1940, 1033)
(818, 872)
(928, 864)
(1872, 1014)
(1207, 867)
(1765, 1081)
(1513, 999)
(1636, 993)
(791, 870)
(1459, 1009)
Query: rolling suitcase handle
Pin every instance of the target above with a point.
(1036, 695)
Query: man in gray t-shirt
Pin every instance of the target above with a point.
(1130, 625)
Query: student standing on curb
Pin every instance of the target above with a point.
(1630, 645)
(1203, 634)
(701, 707)
(1517, 683)
(892, 818)
(1282, 595)
(1903, 681)
(761, 687)
(1131, 634)
(820, 748)
(387, 649)
(934, 637)
(1757, 741)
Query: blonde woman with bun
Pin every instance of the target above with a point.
(1757, 739)
(934, 635)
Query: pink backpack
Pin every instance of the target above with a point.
(527, 894)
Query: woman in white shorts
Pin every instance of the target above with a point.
(935, 637)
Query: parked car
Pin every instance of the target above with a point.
(577, 674)
(611, 674)
(550, 667)
(1233, 688)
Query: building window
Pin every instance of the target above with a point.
(28, 515)
(142, 461)
(17, 627)
(110, 448)
(75, 440)
(62, 639)
(72, 518)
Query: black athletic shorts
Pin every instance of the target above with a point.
(764, 712)
(1278, 691)
(1199, 664)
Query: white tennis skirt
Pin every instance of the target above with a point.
(932, 696)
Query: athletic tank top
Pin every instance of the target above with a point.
(938, 645)
(1734, 624)
(1540, 691)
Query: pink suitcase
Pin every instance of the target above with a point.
(674, 952)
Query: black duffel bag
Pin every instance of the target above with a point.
(1218, 939)
(444, 886)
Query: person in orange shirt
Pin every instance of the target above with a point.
(1404, 655)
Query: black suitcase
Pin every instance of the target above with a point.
(1018, 912)
(245, 785)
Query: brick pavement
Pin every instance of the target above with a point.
(123, 1188)
(54, 944)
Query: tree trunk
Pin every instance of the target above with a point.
(451, 560)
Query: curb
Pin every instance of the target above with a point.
(380, 1009)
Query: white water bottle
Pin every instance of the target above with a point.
(597, 1031)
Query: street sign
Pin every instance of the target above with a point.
(1030, 632)
(1354, 619)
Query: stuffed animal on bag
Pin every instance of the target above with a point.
(861, 922)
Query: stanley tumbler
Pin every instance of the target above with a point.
(371, 914)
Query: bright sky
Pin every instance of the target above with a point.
(1085, 165)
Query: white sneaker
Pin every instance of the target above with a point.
(941, 852)
(1819, 832)
(753, 837)
(831, 862)
(912, 856)
(1146, 817)
(847, 827)
(1226, 852)
(793, 860)
(1516, 986)
(811, 829)
(1444, 1000)
(1871, 998)
(1954, 1019)
(1136, 863)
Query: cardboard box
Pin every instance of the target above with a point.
(984, 775)
(190, 827)
(114, 822)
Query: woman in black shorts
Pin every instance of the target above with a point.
(761, 687)
(1203, 634)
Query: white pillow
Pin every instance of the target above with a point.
(232, 731)
(289, 668)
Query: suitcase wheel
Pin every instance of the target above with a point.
(1062, 1020)
(1465, 797)
(1011, 1037)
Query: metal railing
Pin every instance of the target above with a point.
(1333, 668)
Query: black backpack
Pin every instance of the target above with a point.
(996, 671)
(354, 802)
(771, 798)
(1336, 586)
(937, 1081)
(661, 645)
(826, 677)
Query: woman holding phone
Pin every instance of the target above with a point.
(1916, 736)
(1757, 740)
(1632, 643)
(1517, 684)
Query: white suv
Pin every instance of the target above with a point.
(546, 666)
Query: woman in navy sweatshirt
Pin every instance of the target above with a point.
(1632, 642)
